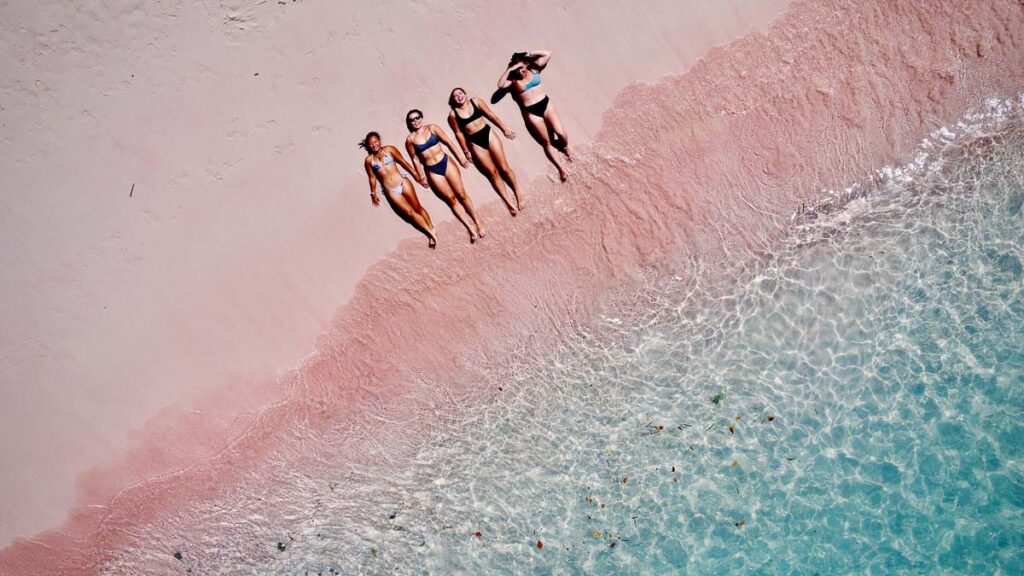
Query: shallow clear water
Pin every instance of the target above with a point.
(853, 405)
(872, 376)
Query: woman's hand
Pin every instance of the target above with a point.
(469, 157)
(464, 162)
(509, 133)
(374, 198)
(423, 181)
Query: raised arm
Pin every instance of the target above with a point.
(503, 82)
(373, 182)
(458, 134)
(417, 171)
(448, 142)
(490, 115)
(540, 58)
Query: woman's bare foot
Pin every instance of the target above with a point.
(513, 211)
(432, 243)
(562, 176)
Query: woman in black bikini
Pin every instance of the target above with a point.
(382, 164)
(522, 78)
(445, 179)
(469, 121)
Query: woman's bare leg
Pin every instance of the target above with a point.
(485, 164)
(497, 151)
(414, 200)
(554, 125)
(405, 210)
(539, 130)
(441, 188)
(454, 177)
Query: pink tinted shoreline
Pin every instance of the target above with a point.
(708, 165)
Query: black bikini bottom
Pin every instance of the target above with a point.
(538, 108)
(482, 137)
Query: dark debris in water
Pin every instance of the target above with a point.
(717, 398)
(177, 555)
(282, 546)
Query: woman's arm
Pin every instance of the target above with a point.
(490, 115)
(540, 58)
(459, 135)
(373, 182)
(503, 81)
(418, 172)
(397, 155)
(447, 142)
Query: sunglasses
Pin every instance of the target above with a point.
(415, 118)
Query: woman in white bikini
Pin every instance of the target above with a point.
(381, 165)
(470, 120)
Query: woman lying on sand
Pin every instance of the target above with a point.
(382, 164)
(469, 121)
(522, 78)
(445, 179)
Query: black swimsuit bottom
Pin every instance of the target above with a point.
(538, 108)
(481, 137)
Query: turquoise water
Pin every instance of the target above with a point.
(873, 376)
(852, 405)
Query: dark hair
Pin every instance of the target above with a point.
(410, 113)
(451, 97)
(516, 74)
(365, 142)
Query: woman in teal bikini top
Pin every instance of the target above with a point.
(522, 78)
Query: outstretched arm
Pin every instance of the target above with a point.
(418, 172)
(448, 142)
(459, 135)
(373, 182)
(490, 115)
(397, 155)
(540, 58)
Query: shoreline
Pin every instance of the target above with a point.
(761, 125)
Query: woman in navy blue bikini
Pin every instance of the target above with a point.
(522, 78)
(444, 178)
(469, 121)
(381, 165)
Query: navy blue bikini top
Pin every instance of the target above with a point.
(430, 142)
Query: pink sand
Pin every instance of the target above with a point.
(249, 223)
(709, 165)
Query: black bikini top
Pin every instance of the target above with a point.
(463, 122)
